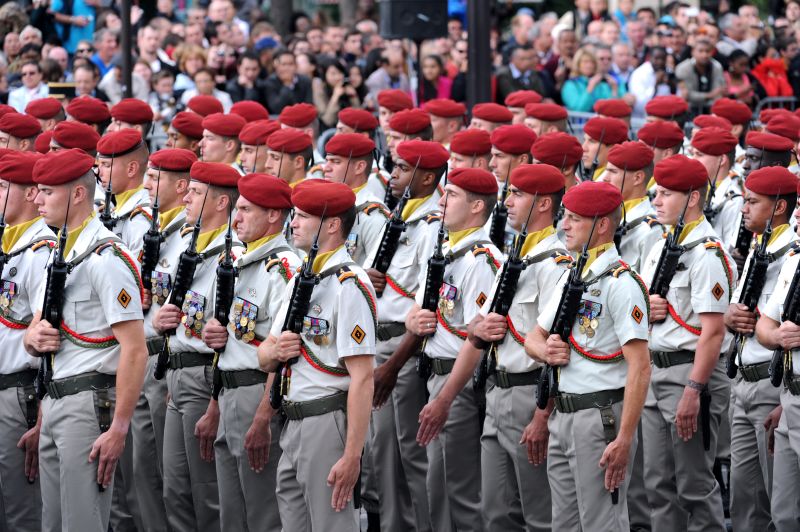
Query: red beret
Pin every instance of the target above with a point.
(298, 115)
(768, 141)
(537, 178)
(250, 110)
(546, 112)
(20, 125)
(119, 143)
(661, 134)
(217, 174)
(475, 180)
(42, 144)
(17, 167)
(592, 198)
(630, 155)
(43, 108)
(614, 107)
(205, 105)
(289, 141)
(714, 141)
(423, 154)
(224, 125)
(349, 144)
(173, 160)
(88, 110)
(668, 107)
(516, 139)
(6, 151)
(735, 112)
(61, 167)
(6, 109)
(132, 111)
(557, 149)
(266, 191)
(394, 100)
(492, 112)
(786, 125)
(410, 121)
(768, 113)
(522, 98)
(681, 173)
(703, 121)
(471, 142)
(606, 130)
(77, 135)
(256, 133)
(189, 124)
(358, 119)
(318, 196)
(770, 181)
(445, 108)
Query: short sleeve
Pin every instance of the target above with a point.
(711, 280)
(629, 309)
(475, 287)
(355, 320)
(116, 281)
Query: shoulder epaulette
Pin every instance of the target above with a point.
(560, 258)
(186, 229)
(141, 210)
(795, 249)
(49, 244)
(435, 217)
(372, 207)
(478, 250)
(315, 168)
(651, 220)
(622, 268)
(345, 273)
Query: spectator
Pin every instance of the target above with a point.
(435, 84)
(734, 36)
(352, 48)
(559, 64)
(32, 87)
(51, 71)
(389, 75)
(636, 36)
(149, 43)
(193, 35)
(75, 21)
(701, 76)
(204, 84)
(246, 86)
(587, 84)
(190, 59)
(332, 93)
(11, 46)
(771, 75)
(609, 34)
(520, 74)
(307, 65)
(86, 78)
(30, 35)
(623, 15)
(109, 20)
(357, 82)
(60, 56)
(578, 19)
(162, 102)
(651, 79)
(521, 26)
(143, 70)
(285, 86)
(739, 85)
(458, 58)
(621, 63)
(542, 37)
(106, 43)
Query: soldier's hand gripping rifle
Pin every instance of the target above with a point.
(670, 255)
(152, 245)
(3, 254)
(751, 290)
(184, 275)
(497, 231)
(226, 281)
(791, 312)
(297, 311)
(105, 215)
(568, 307)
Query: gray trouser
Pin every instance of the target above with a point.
(246, 499)
(454, 458)
(400, 463)
(125, 510)
(681, 488)
(147, 428)
(515, 493)
(577, 483)
(71, 499)
(190, 484)
(311, 447)
(751, 464)
(21, 501)
(638, 509)
(786, 467)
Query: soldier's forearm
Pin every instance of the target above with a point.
(359, 403)
(636, 384)
(130, 377)
(409, 346)
(709, 347)
(265, 410)
(466, 362)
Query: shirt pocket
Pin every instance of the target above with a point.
(80, 312)
(680, 293)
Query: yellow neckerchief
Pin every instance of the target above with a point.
(297, 182)
(204, 239)
(598, 173)
(776, 233)
(13, 233)
(322, 258)
(689, 227)
(359, 188)
(412, 205)
(651, 183)
(594, 253)
(454, 237)
(534, 238)
(166, 218)
(123, 197)
(72, 236)
(252, 246)
(631, 203)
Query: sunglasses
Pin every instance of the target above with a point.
(26, 74)
(84, 50)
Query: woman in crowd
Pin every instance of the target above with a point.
(435, 83)
(586, 84)
(204, 84)
(333, 92)
(190, 59)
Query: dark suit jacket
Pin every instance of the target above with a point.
(239, 93)
(279, 95)
(506, 84)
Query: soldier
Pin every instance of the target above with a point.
(204, 105)
(704, 121)
(289, 154)
(68, 135)
(246, 448)
(470, 148)
(250, 110)
(399, 391)
(667, 108)
(391, 101)
(348, 160)
(544, 118)
(220, 142)
(303, 117)
(516, 102)
(42, 144)
(490, 116)
(48, 111)
(771, 198)
(599, 135)
(26, 245)
(687, 333)
(253, 138)
(739, 115)
(352, 120)
(98, 367)
(405, 125)
(190, 480)
(664, 138)
(447, 118)
(562, 151)
(603, 370)
(131, 113)
(454, 457)
(330, 391)
(614, 108)
(185, 132)
(18, 131)
(90, 111)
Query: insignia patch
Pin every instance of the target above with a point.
(123, 298)
(481, 299)
(595, 292)
(251, 292)
(717, 291)
(358, 334)
(637, 314)
(13, 271)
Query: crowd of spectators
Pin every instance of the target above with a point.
(233, 53)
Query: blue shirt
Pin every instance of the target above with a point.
(76, 34)
(104, 68)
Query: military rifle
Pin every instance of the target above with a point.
(152, 244)
(3, 254)
(596, 161)
(791, 312)
(226, 281)
(105, 215)
(497, 231)
(670, 255)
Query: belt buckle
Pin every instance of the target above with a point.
(502, 379)
(291, 410)
(664, 359)
(52, 391)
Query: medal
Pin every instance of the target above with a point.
(594, 323)
(590, 333)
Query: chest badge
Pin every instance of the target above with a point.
(588, 314)
(13, 271)
(447, 299)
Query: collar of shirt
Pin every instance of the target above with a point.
(252, 246)
(412, 205)
(594, 254)
(688, 228)
(517, 73)
(776, 234)
(72, 236)
(12, 234)
(322, 259)
(296, 182)
(124, 197)
(204, 239)
(598, 173)
(631, 203)
(534, 238)
(454, 237)
(167, 217)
